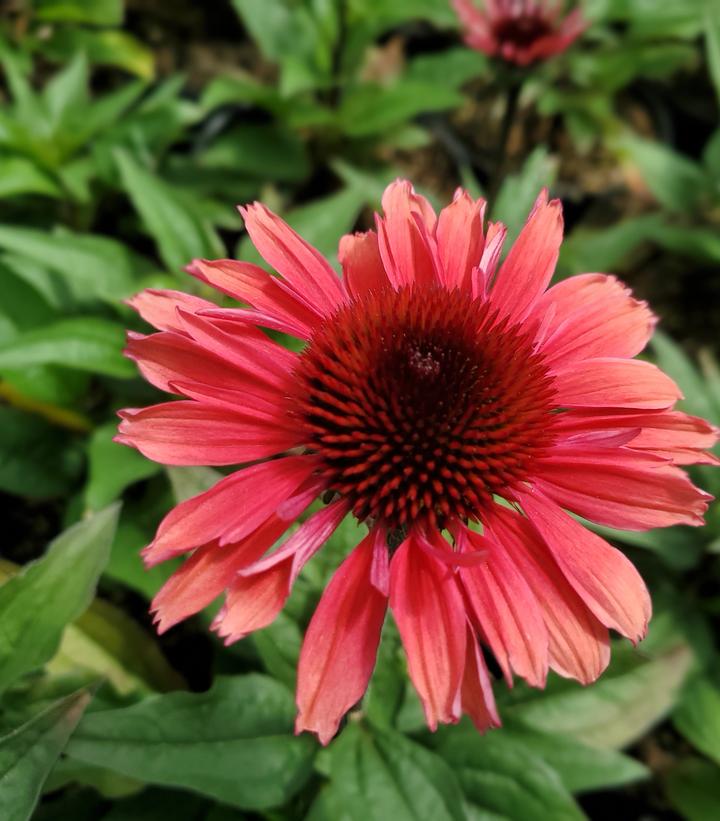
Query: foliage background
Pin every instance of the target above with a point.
(127, 133)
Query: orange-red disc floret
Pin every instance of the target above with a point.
(422, 404)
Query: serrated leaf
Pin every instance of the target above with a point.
(233, 743)
(381, 774)
(28, 754)
(38, 603)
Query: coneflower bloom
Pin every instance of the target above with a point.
(456, 406)
(519, 31)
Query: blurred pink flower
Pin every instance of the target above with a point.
(438, 389)
(519, 31)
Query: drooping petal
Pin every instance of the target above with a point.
(209, 571)
(340, 645)
(594, 315)
(578, 643)
(530, 264)
(604, 578)
(620, 487)
(429, 611)
(261, 589)
(363, 271)
(476, 693)
(404, 236)
(304, 267)
(460, 240)
(614, 383)
(231, 509)
(159, 307)
(191, 433)
(507, 613)
(272, 298)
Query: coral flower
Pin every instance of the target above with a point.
(519, 31)
(453, 404)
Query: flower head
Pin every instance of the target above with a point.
(519, 31)
(456, 406)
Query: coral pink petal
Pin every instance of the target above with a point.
(158, 307)
(272, 298)
(673, 435)
(507, 613)
(231, 509)
(530, 264)
(460, 240)
(168, 360)
(243, 346)
(429, 612)
(476, 693)
(307, 271)
(621, 487)
(614, 383)
(261, 589)
(192, 433)
(209, 571)
(484, 273)
(340, 646)
(404, 237)
(578, 643)
(362, 266)
(594, 315)
(603, 577)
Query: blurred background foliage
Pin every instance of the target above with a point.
(128, 130)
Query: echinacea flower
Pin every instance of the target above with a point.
(439, 392)
(519, 31)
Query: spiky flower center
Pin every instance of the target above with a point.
(422, 404)
(522, 30)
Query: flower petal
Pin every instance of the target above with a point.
(303, 266)
(362, 266)
(430, 615)
(578, 643)
(191, 433)
(530, 264)
(594, 315)
(507, 613)
(231, 509)
(158, 307)
(476, 693)
(340, 646)
(620, 487)
(604, 578)
(614, 383)
(460, 239)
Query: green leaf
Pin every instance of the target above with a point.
(499, 775)
(66, 94)
(368, 110)
(630, 698)
(92, 266)
(106, 642)
(677, 182)
(455, 65)
(19, 175)
(519, 191)
(37, 604)
(179, 233)
(112, 47)
(581, 768)
(233, 743)
(112, 467)
(85, 343)
(28, 754)
(382, 775)
(97, 13)
(698, 717)
(693, 786)
(712, 41)
(35, 457)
